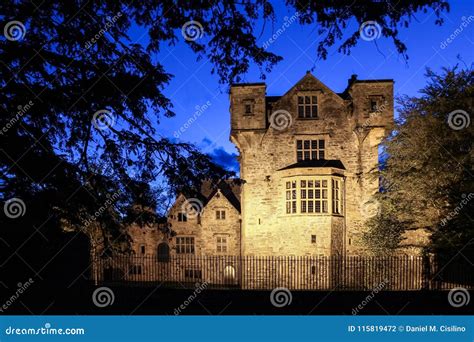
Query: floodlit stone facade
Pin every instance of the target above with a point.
(307, 160)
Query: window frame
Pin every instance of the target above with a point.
(379, 103)
(307, 106)
(251, 104)
(185, 244)
(300, 193)
(222, 244)
(311, 147)
(182, 217)
(220, 214)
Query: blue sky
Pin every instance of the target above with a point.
(193, 85)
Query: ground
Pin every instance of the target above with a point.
(49, 299)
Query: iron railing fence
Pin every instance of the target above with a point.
(358, 273)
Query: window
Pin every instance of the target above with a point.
(135, 269)
(313, 238)
(192, 274)
(373, 105)
(314, 196)
(220, 214)
(142, 249)
(185, 245)
(221, 244)
(248, 107)
(291, 197)
(307, 107)
(182, 217)
(310, 149)
(336, 197)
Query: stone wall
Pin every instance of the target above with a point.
(350, 135)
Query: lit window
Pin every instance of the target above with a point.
(310, 149)
(185, 245)
(220, 214)
(314, 196)
(221, 243)
(307, 107)
(291, 197)
(336, 197)
(182, 217)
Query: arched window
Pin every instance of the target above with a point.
(163, 252)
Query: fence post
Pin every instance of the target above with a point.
(426, 272)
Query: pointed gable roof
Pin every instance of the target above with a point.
(310, 83)
(229, 188)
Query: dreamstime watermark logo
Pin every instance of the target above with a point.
(370, 30)
(465, 22)
(110, 22)
(14, 208)
(21, 111)
(103, 119)
(103, 296)
(455, 212)
(111, 199)
(458, 297)
(374, 114)
(286, 24)
(369, 297)
(192, 30)
(20, 290)
(370, 209)
(14, 30)
(281, 120)
(189, 300)
(281, 297)
(46, 330)
(192, 207)
(199, 111)
(459, 119)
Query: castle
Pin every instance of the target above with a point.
(307, 161)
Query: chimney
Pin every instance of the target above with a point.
(351, 80)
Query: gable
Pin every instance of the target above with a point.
(309, 83)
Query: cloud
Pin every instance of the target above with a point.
(227, 160)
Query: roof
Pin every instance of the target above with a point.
(230, 188)
(247, 84)
(374, 81)
(316, 163)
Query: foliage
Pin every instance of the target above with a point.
(428, 171)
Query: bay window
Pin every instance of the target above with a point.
(313, 195)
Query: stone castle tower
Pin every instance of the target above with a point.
(307, 160)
